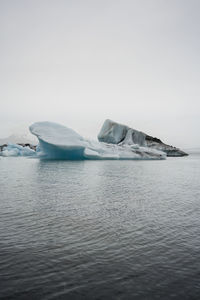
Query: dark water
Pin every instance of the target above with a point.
(100, 229)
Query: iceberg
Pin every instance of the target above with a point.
(115, 133)
(115, 141)
(17, 150)
(119, 134)
(59, 142)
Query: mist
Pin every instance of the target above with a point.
(80, 62)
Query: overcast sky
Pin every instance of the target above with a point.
(79, 62)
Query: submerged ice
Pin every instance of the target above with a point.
(59, 142)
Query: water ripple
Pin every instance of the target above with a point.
(100, 230)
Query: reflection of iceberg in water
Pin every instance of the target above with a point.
(59, 142)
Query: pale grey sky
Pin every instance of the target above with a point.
(78, 62)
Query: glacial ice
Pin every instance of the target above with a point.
(119, 134)
(17, 150)
(115, 133)
(59, 142)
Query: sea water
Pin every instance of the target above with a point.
(100, 229)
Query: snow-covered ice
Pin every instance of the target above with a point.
(59, 142)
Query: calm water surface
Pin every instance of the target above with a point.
(100, 229)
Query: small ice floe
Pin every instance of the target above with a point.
(17, 150)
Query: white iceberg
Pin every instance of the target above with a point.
(59, 142)
(17, 150)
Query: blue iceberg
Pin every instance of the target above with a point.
(59, 142)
